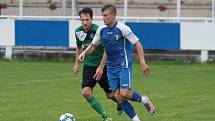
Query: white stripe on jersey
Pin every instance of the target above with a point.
(129, 75)
(127, 33)
(126, 58)
(97, 38)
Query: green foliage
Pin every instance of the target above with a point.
(42, 91)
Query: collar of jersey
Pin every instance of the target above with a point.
(113, 25)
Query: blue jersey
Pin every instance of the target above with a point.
(118, 42)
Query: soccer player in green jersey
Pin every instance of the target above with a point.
(94, 69)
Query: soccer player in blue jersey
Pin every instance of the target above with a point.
(94, 70)
(119, 41)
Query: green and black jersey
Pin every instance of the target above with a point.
(84, 39)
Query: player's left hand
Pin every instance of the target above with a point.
(145, 69)
(98, 74)
(75, 69)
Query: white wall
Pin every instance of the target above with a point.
(194, 36)
(198, 36)
(7, 32)
(72, 25)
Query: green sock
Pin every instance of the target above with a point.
(97, 106)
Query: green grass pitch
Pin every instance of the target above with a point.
(42, 91)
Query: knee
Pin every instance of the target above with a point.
(117, 96)
(110, 96)
(86, 93)
(125, 93)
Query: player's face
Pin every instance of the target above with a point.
(86, 21)
(109, 17)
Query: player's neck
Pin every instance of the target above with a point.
(113, 24)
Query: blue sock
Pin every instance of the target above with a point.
(128, 108)
(136, 97)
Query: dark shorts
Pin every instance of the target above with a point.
(89, 81)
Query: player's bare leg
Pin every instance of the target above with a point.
(118, 108)
(134, 96)
(126, 106)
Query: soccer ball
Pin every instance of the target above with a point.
(67, 117)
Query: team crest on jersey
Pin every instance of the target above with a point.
(109, 32)
(81, 35)
(116, 37)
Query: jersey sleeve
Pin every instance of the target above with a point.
(129, 35)
(97, 37)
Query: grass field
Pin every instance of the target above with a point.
(42, 91)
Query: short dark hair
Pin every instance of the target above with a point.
(112, 8)
(86, 11)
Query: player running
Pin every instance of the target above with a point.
(118, 41)
(94, 69)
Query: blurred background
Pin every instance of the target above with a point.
(146, 8)
(168, 29)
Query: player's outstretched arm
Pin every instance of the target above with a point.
(144, 67)
(99, 70)
(88, 50)
(75, 67)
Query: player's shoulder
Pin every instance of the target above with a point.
(101, 27)
(78, 29)
(122, 26)
(94, 26)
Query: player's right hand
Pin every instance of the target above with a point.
(145, 69)
(81, 57)
(75, 69)
(99, 71)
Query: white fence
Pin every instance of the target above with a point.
(160, 8)
(195, 33)
(193, 40)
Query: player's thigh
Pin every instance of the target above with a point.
(125, 78)
(87, 77)
(113, 79)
